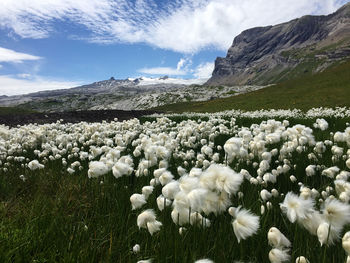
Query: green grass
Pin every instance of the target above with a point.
(14, 111)
(309, 60)
(231, 92)
(330, 88)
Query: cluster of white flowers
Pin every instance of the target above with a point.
(209, 176)
(338, 112)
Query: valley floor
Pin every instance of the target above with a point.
(12, 119)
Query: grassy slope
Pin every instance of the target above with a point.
(327, 89)
(14, 111)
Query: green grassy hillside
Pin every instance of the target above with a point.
(330, 88)
(14, 111)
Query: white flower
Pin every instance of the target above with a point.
(232, 148)
(162, 201)
(97, 169)
(346, 242)
(246, 174)
(274, 193)
(145, 217)
(262, 209)
(312, 222)
(310, 170)
(153, 226)
(246, 223)
(181, 171)
(137, 201)
(181, 201)
(187, 183)
(301, 259)
(265, 195)
(34, 165)
(147, 191)
(232, 211)
(341, 186)
(182, 230)
(197, 198)
(277, 239)
(331, 171)
(336, 213)
(22, 177)
(321, 124)
(296, 207)
(221, 178)
(119, 169)
(171, 189)
(278, 256)
(198, 219)
(180, 216)
(136, 248)
(269, 177)
(165, 178)
(292, 178)
(327, 234)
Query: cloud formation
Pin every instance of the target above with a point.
(185, 26)
(204, 70)
(8, 55)
(11, 85)
(163, 71)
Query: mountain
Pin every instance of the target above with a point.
(329, 88)
(127, 94)
(265, 55)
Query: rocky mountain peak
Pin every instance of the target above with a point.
(344, 10)
(264, 55)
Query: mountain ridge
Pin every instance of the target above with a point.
(265, 55)
(127, 94)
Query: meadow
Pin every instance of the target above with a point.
(329, 88)
(263, 186)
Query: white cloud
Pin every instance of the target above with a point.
(8, 55)
(185, 26)
(182, 68)
(9, 85)
(204, 70)
(163, 71)
(181, 63)
(24, 75)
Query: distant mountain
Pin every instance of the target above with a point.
(127, 94)
(144, 81)
(265, 55)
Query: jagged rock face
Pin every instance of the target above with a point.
(264, 55)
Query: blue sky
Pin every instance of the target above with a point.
(64, 43)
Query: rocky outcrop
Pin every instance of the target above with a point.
(127, 94)
(266, 55)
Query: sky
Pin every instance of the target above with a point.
(56, 44)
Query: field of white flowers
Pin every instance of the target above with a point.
(265, 186)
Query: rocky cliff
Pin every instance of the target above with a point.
(266, 55)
